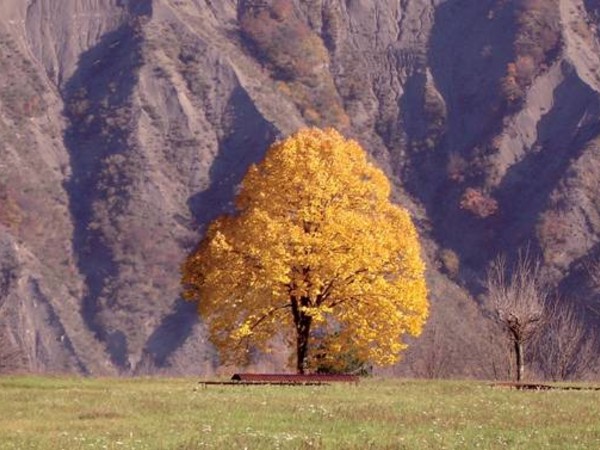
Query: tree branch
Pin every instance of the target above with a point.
(269, 314)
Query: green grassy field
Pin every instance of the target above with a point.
(74, 413)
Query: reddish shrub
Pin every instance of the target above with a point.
(478, 203)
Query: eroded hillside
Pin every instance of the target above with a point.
(127, 125)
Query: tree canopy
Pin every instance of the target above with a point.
(316, 253)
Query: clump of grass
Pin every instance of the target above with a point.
(48, 413)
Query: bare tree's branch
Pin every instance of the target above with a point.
(567, 350)
(11, 357)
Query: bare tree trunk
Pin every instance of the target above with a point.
(520, 364)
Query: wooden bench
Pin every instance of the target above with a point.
(542, 387)
(313, 379)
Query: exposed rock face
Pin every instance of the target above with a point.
(126, 126)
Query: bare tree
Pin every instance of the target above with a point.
(518, 298)
(11, 358)
(567, 349)
(437, 355)
(498, 362)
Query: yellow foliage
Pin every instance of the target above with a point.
(315, 248)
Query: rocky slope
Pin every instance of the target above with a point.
(127, 124)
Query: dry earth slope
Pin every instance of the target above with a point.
(125, 126)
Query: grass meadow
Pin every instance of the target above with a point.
(159, 413)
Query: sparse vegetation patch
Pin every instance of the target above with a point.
(537, 41)
(297, 57)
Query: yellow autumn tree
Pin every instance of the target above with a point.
(315, 253)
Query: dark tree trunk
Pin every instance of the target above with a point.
(302, 344)
(518, 342)
(519, 360)
(302, 322)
